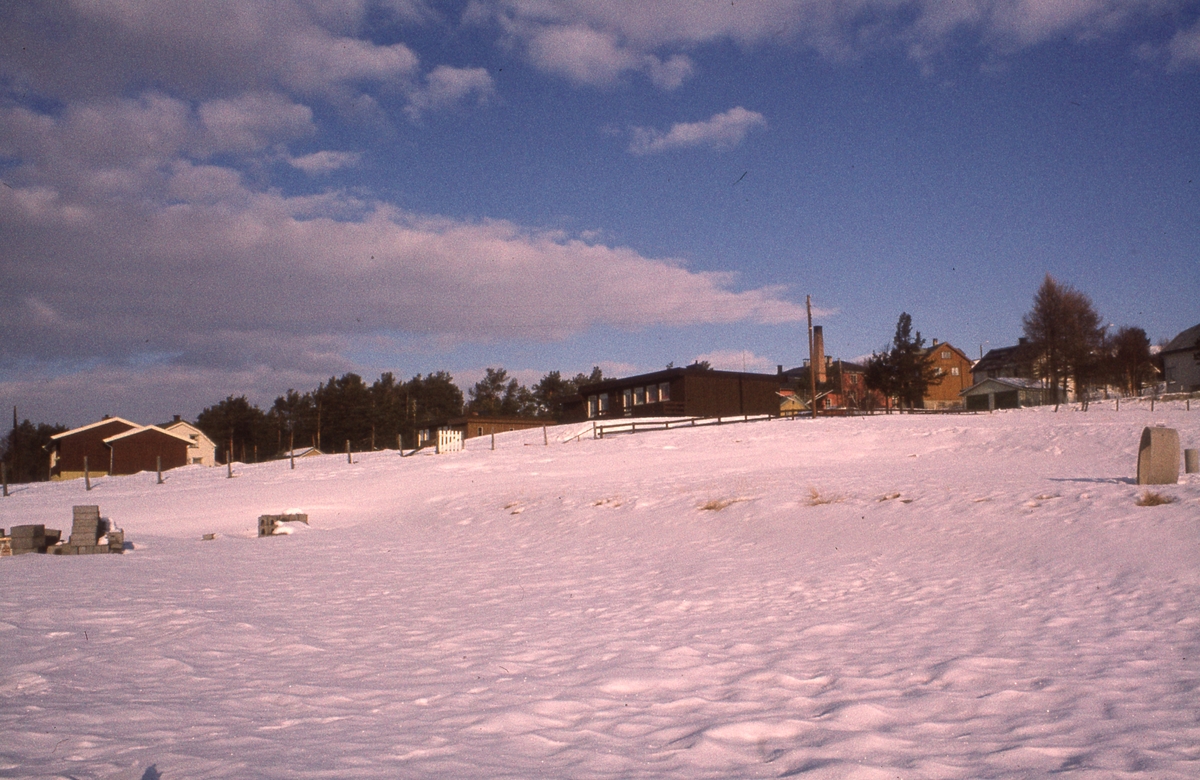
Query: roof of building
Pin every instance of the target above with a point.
(1188, 340)
(144, 429)
(1016, 383)
(96, 424)
(670, 373)
(997, 358)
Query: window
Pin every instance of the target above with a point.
(651, 394)
(480, 430)
(604, 403)
(945, 354)
(954, 371)
(627, 401)
(664, 391)
(639, 396)
(593, 406)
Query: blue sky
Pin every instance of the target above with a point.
(206, 199)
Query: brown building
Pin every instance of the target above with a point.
(69, 448)
(953, 368)
(690, 391)
(843, 388)
(141, 448)
(475, 425)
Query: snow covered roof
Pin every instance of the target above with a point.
(141, 429)
(96, 424)
(1188, 340)
(1014, 382)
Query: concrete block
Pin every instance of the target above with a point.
(27, 531)
(267, 524)
(116, 541)
(5, 547)
(1191, 461)
(1158, 457)
(85, 512)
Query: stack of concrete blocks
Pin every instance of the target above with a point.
(5, 545)
(1158, 457)
(269, 524)
(26, 539)
(87, 528)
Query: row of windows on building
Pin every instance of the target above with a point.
(598, 405)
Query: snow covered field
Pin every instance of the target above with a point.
(887, 597)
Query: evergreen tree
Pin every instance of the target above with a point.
(1131, 365)
(912, 365)
(550, 393)
(1065, 338)
(496, 394)
(23, 451)
(235, 425)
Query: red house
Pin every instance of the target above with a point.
(114, 446)
(141, 448)
(68, 449)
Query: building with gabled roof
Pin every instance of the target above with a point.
(203, 451)
(953, 369)
(1181, 361)
(146, 448)
(79, 448)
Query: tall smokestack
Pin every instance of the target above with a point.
(818, 356)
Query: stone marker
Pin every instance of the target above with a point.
(1191, 461)
(1158, 457)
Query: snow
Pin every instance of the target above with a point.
(963, 596)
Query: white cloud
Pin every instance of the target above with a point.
(252, 121)
(722, 131)
(324, 161)
(594, 41)
(446, 86)
(737, 360)
(1184, 48)
(160, 271)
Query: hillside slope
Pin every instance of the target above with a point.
(895, 596)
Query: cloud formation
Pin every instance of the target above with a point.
(597, 42)
(135, 237)
(722, 131)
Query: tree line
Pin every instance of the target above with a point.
(383, 414)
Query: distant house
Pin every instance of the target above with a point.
(475, 425)
(1181, 362)
(71, 450)
(303, 452)
(842, 385)
(690, 391)
(203, 451)
(1003, 393)
(146, 448)
(1003, 362)
(953, 369)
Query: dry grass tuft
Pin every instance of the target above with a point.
(717, 504)
(816, 499)
(1150, 498)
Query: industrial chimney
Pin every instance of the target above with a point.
(818, 356)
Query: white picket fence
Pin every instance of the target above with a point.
(449, 441)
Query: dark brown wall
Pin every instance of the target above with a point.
(72, 449)
(718, 396)
(140, 452)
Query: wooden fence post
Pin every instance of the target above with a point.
(158, 466)
(4, 477)
(229, 464)
(349, 459)
(292, 449)
(493, 440)
(87, 476)
(545, 437)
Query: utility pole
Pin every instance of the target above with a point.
(812, 360)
